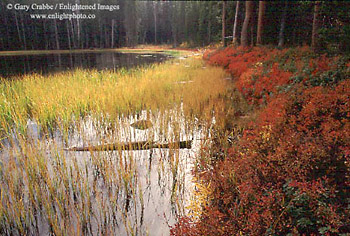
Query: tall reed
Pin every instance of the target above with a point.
(46, 190)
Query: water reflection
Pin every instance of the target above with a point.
(51, 63)
(109, 192)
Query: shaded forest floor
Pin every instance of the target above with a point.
(280, 167)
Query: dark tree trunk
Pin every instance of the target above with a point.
(130, 23)
(155, 21)
(252, 35)
(95, 41)
(182, 22)
(234, 34)
(101, 32)
(8, 44)
(223, 33)
(315, 26)
(45, 36)
(248, 15)
(112, 32)
(78, 28)
(56, 35)
(87, 45)
(106, 37)
(18, 29)
(36, 38)
(68, 36)
(283, 25)
(24, 33)
(174, 24)
(260, 22)
(73, 34)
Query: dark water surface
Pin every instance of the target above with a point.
(51, 63)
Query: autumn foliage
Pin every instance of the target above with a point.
(288, 172)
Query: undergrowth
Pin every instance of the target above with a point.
(287, 170)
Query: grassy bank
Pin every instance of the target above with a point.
(287, 169)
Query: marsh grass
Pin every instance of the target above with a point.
(45, 190)
(57, 100)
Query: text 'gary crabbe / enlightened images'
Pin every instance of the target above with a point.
(61, 6)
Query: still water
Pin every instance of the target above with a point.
(51, 63)
(120, 192)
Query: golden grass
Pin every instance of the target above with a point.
(57, 99)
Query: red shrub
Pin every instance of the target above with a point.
(289, 172)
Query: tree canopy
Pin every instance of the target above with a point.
(190, 23)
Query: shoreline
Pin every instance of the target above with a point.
(94, 50)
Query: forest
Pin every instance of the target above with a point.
(186, 23)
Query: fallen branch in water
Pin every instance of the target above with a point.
(143, 145)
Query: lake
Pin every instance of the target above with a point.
(52, 63)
